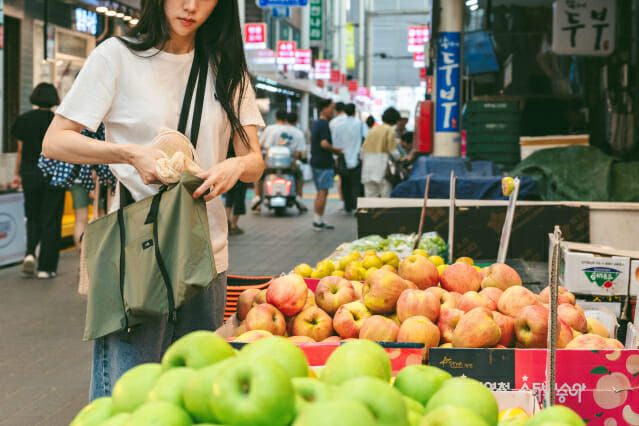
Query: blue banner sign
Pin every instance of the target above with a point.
(448, 82)
(282, 3)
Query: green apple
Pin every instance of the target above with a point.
(355, 359)
(517, 421)
(338, 412)
(420, 382)
(467, 393)
(451, 415)
(281, 350)
(309, 391)
(198, 388)
(170, 386)
(159, 413)
(382, 400)
(131, 390)
(556, 414)
(253, 393)
(94, 413)
(415, 411)
(196, 350)
(121, 419)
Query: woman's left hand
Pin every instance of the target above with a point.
(219, 178)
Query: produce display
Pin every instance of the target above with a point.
(455, 305)
(202, 381)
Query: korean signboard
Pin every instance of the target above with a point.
(350, 46)
(584, 27)
(419, 60)
(284, 3)
(448, 84)
(303, 60)
(316, 20)
(418, 36)
(322, 69)
(286, 52)
(352, 86)
(264, 57)
(255, 36)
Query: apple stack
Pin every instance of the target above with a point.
(202, 381)
(460, 307)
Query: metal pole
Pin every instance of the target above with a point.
(361, 47)
(342, 37)
(447, 79)
(305, 44)
(369, 45)
(45, 27)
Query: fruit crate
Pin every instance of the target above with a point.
(236, 284)
(598, 384)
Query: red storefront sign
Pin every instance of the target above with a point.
(418, 36)
(352, 86)
(322, 69)
(286, 52)
(303, 60)
(255, 36)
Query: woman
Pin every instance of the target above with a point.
(376, 151)
(43, 203)
(136, 87)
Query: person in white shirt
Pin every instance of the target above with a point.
(340, 115)
(348, 135)
(136, 86)
(299, 143)
(270, 136)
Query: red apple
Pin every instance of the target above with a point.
(301, 339)
(594, 342)
(476, 329)
(420, 271)
(288, 294)
(493, 293)
(333, 292)
(314, 323)
(245, 302)
(419, 329)
(472, 300)
(507, 327)
(252, 336)
(574, 316)
(501, 276)
(260, 298)
(515, 299)
(381, 291)
(448, 320)
(564, 296)
(531, 326)
(266, 317)
(461, 277)
(379, 329)
(332, 339)
(417, 302)
(310, 299)
(349, 318)
(564, 335)
(358, 286)
(446, 299)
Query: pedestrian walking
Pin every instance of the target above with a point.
(348, 135)
(270, 136)
(136, 86)
(340, 114)
(378, 146)
(298, 141)
(43, 203)
(370, 122)
(322, 152)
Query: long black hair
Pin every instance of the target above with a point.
(221, 39)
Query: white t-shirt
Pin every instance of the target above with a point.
(348, 134)
(283, 135)
(135, 94)
(298, 138)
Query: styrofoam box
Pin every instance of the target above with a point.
(586, 273)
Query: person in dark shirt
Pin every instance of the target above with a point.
(43, 203)
(322, 152)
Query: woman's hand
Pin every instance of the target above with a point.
(144, 159)
(220, 178)
(16, 182)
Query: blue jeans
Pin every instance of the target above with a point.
(323, 178)
(116, 353)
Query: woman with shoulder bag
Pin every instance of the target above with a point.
(136, 86)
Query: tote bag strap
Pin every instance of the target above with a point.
(199, 74)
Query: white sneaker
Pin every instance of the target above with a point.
(29, 265)
(44, 275)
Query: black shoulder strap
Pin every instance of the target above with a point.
(199, 73)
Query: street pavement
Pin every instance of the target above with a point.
(45, 365)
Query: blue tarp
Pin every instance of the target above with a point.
(476, 180)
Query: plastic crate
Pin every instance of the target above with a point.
(493, 106)
(236, 285)
(475, 138)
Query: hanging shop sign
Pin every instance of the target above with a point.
(322, 69)
(255, 36)
(349, 43)
(448, 82)
(303, 60)
(286, 52)
(419, 60)
(282, 3)
(264, 57)
(85, 21)
(352, 86)
(418, 36)
(316, 31)
(584, 27)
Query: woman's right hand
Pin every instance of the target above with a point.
(144, 159)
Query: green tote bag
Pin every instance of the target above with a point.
(147, 258)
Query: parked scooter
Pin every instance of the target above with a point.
(278, 192)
